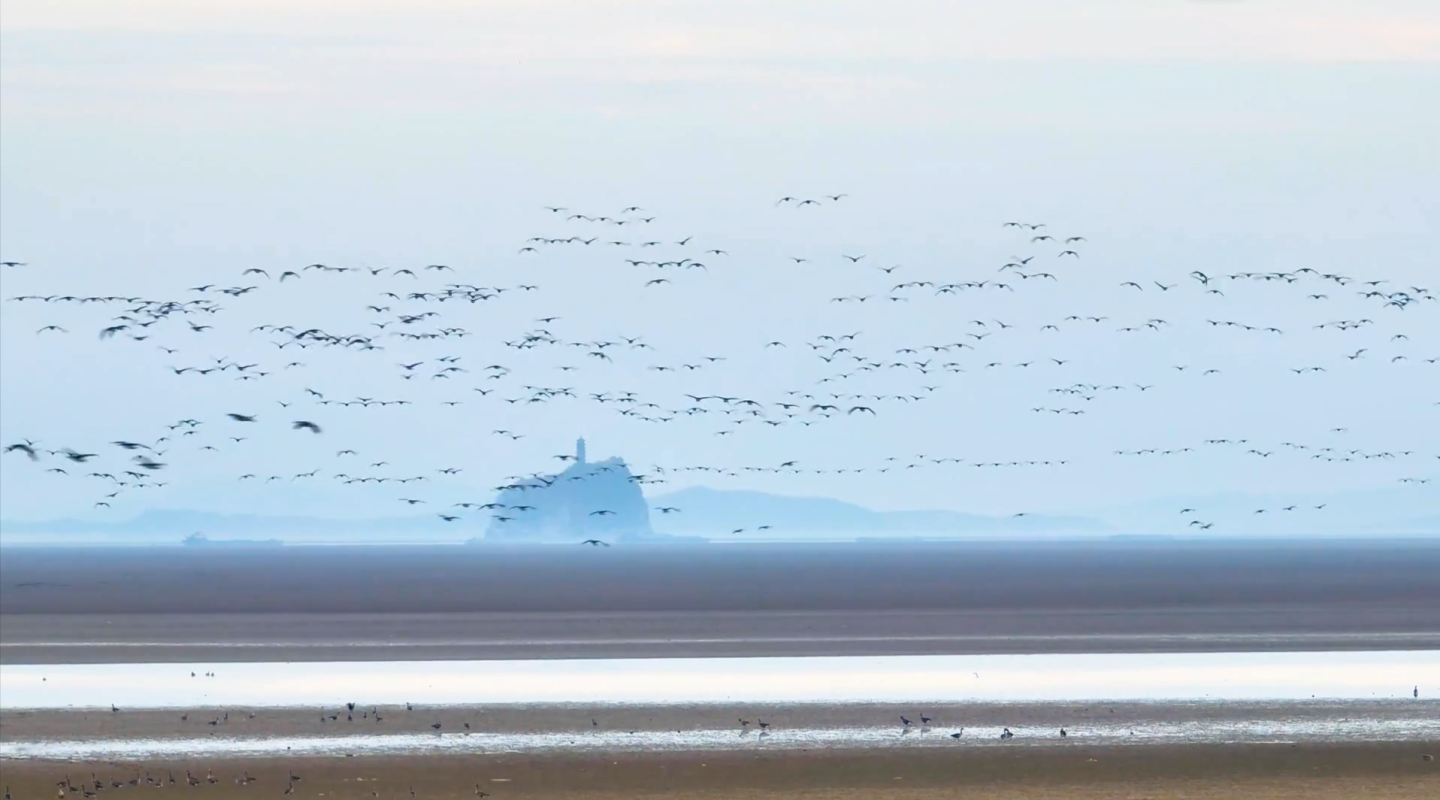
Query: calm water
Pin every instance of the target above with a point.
(948, 679)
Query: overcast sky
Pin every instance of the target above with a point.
(150, 147)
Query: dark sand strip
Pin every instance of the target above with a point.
(1024, 576)
(1208, 772)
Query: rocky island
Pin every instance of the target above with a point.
(590, 499)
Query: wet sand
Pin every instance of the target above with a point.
(206, 605)
(327, 604)
(1033, 722)
(219, 638)
(1211, 772)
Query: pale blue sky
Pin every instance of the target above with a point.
(149, 147)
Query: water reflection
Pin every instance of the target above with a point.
(1002, 678)
(1245, 731)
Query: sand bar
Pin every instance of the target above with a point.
(1395, 771)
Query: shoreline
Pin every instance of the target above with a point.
(684, 725)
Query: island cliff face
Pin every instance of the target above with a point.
(597, 499)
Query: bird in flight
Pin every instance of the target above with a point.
(827, 386)
(23, 447)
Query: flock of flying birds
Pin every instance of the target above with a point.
(425, 339)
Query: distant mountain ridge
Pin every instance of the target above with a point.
(705, 510)
(714, 513)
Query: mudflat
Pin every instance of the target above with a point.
(933, 723)
(1396, 771)
(106, 605)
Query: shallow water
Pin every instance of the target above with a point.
(1246, 731)
(940, 679)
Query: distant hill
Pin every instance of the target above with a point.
(713, 511)
(176, 523)
(566, 515)
(1400, 509)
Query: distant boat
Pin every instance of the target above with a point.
(201, 540)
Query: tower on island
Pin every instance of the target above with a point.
(580, 451)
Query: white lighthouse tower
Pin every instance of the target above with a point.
(580, 451)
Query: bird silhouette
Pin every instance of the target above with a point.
(398, 350)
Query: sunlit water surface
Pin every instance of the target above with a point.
(1187, 677)
(1257, 731)
(848, 679)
